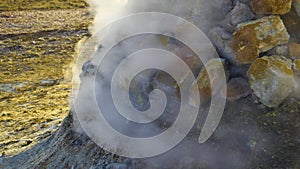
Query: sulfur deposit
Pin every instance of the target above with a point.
(272, 6)
(258, 36)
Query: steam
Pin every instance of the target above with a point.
(106, 11)
(208, 12)
(189, 154)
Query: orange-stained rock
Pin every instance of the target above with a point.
(279, 7)
(272, 79)
(257, 36)
(245, 44)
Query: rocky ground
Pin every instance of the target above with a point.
(260, 125)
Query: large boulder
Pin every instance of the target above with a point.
(279, 7)
(258, 36)
(272, 79)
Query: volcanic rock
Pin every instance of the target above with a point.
(258, 36)
(297, 65)
(165, 82)
(227, 6)
(209, 80)
(296, 5)
(279, 7)
(88, 69)
(281, 50)
(190, 58)
(238, 71)
(245, 44)
(272, 79)
(236, 88)
(291, 21)
(181, 50)
(270, 31)
(239, 14)
(296, 92)
(294, 50)
(139, 90)
(221, 40)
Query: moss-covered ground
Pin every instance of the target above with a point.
(36, 50)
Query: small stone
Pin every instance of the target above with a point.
(236, 88)
(272, 79)
(88, 69)
(294, 50)
(239, 14)
(258, 36)
(48, 82)
(279, 7)
(7, 88)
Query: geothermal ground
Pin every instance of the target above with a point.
(36, 50)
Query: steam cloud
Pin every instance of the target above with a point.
(223, 150)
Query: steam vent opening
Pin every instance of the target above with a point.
(160, 84)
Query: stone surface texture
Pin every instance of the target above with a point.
(296, 5)
(209, 79)
(236, 88)
(239, 14)
(271, 6)
(272, 79)
(258, 36)
(294, 50)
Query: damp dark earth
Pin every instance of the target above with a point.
(258, 47)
